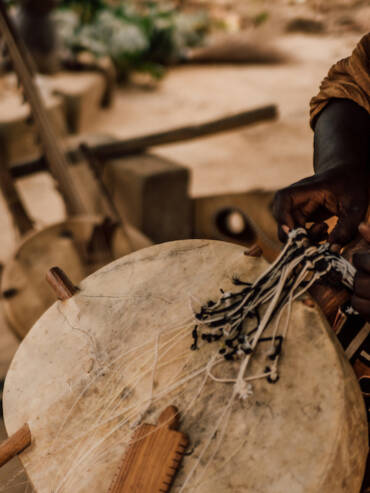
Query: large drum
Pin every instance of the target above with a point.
(118, 353)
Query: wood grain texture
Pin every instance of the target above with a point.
(15, 444)
(154, 456)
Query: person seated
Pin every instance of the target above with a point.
(340, 118)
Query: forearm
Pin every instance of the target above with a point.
(342, 137)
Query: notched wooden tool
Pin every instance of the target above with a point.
(153, 458)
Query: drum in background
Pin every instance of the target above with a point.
(25, 293)
(118, 353)
(245, 218)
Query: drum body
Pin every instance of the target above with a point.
(26, 295)
(118, 353)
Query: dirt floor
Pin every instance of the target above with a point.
(269, 155)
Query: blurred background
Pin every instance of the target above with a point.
(109, 72)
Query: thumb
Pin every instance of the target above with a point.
(364, 229)
(344, 231)
(348, 222)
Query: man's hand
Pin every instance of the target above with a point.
(341, 192)
(361, 260)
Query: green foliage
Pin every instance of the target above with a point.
(144, 38)
(86, 9)
(261, 18)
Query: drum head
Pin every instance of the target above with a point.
(118, 353)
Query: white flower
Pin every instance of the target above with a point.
(66, 22)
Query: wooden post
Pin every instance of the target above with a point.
(15, 444)
(60, 283)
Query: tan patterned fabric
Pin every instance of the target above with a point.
(349, 79)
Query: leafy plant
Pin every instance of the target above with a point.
(141, 38)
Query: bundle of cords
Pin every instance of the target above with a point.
(298, 267)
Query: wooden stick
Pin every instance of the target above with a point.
(139, 144)
(57, 160)
(15, 444)
(61, 284)
(119, 148)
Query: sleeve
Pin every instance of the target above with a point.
(348, 79)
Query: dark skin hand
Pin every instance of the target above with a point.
(361, 260)
(336, 192)
(340, 184)
(338, 188)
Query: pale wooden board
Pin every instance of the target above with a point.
(305, 434)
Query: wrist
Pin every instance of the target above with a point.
(342, 138)
(354, 169)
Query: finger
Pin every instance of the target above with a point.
(299, 218)
(361, 285)
(345, 229)
(361, 260)
(335, 248)
(283, 232)
(362, 305)
(364, 229)
(350, 214)
(320, 214)
(282, 209)
(318, 232)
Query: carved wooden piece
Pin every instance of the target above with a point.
(153, 457)
(307, 433)
(15, 444)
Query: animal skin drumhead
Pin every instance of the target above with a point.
(118, 353)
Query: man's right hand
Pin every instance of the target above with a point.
(341, 192)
